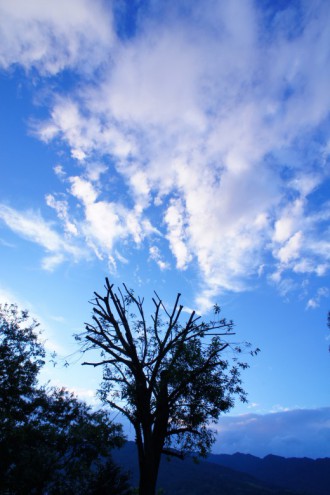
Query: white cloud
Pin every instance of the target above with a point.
(54, 35)
(86, 131)
(83, 190)
(94, 171)
(59, 171)
(33, 227)
(154, 83)
(155, 255)
(314, 302)
(78, 154)
(291, 249)
(283, 229)
(106, 222)
(61, 208)
(174, 218)
(204, 119)
(51, 262)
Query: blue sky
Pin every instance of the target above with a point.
(182, 147)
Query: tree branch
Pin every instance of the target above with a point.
(173, 453)
(177, 431)
(107, 349)
(122, 410)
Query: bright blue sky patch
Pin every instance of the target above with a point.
(177, 146)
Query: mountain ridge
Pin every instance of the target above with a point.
(237, 474)
(296, 473)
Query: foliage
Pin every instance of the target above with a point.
(21, 357)
(169, 378)
(50, 442)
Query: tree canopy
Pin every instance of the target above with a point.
(21, 358)
(50, 442)
(170, 376)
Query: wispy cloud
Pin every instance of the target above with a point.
(156, 256)
(6, 244)
(31, 226)
(216, 120)
(314, 302)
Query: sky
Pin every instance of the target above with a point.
(178, 147)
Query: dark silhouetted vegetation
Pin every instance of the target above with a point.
(50, 442)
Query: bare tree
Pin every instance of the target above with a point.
(169, 379)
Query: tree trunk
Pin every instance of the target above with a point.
(150, 450)
(148, 478)
(149, 461)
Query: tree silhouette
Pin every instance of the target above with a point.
(169, 379)
(50, 442)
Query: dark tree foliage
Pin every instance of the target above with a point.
(50, 442)
(170, 377)
(21, 358)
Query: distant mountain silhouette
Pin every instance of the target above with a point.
(207, 478)
(301, 474)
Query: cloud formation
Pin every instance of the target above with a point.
(33, 227)
(293, 433)
(215, 120)
(52, 36)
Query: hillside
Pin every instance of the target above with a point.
(188, 478)
(303, 474)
